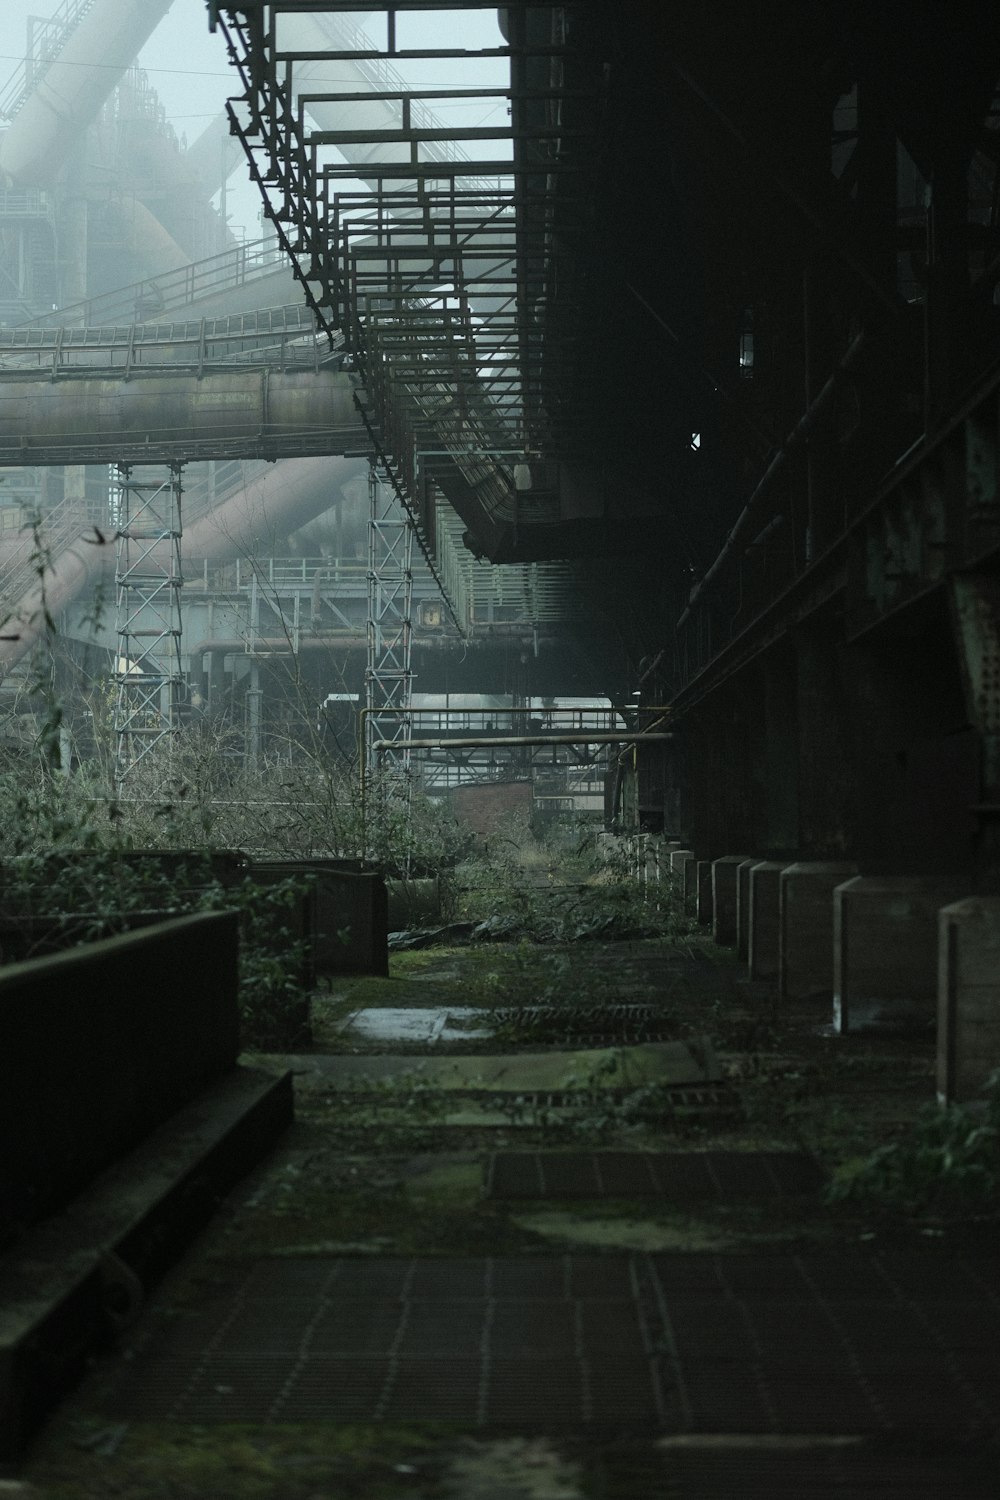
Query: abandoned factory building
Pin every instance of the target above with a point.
(499, 749)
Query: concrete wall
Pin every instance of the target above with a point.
(101, 1044)
(348, 914)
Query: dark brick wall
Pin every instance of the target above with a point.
(481, 806)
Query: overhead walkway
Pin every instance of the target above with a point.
(278, 337)
(211, 285)
(50, 36)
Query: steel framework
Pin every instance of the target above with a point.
(438, 272)
(146, 514)
(389, 674)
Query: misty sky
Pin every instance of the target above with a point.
(187, 66)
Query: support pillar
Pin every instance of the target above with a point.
(975, 601)
(146, 516)
(968, 997)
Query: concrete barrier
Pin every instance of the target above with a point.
(349, 915)
(679, 861)
(968, 1039)
(691, 886)
(704, 896)
(124, 1120)
(743, 909)
(805, 941)
(100, 1044)
(764, 917)
(724, 897)
(885, 950)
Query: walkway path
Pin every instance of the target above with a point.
(542, 1267)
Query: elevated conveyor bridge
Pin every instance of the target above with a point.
(204, 283)
(273, 337)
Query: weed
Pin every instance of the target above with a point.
(949, 1165)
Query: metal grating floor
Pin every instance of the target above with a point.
(823, 1473)
(675, 1343)
(679, 1176)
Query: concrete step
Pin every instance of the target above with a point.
(68, 1284)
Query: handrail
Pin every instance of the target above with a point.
(28, 74)
(144, 301)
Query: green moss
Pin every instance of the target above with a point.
(236, 1461)
(455, 1185)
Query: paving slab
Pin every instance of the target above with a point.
(603, 1067)
(822, 1469)
(678, 1176)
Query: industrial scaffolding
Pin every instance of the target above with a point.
(438, 271)
(146, 515)
(389, 673)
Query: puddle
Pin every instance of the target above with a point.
(414, 1024)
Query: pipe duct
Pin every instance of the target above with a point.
(158, 417)
(67, 98)
(272, 505)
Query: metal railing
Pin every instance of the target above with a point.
(280, 338)
(301, 572)
(47, 40)
(143, 301)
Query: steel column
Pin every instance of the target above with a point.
(146, 515)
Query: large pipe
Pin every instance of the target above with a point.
(68, 97)
(215, 154)
(274, 504)
(160, 417)
(153, 247)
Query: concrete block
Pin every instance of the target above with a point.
(724, 896)
(763, 920)
(349, 913)
(885, 950)
(75, 1278)
(704, 896)
(691, 886)
(101, 1044)
(657, 863)
(679, 861)
(968, 1039)
(743, 909)
(805, 935)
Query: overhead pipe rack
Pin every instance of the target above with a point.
(440, 274)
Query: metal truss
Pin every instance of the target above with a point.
(440, 272)
(146, 514)
(389, 674)
(573, 768)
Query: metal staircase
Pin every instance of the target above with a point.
(47, 39)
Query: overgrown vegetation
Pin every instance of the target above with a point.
(554, 887)
(947, 1165)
